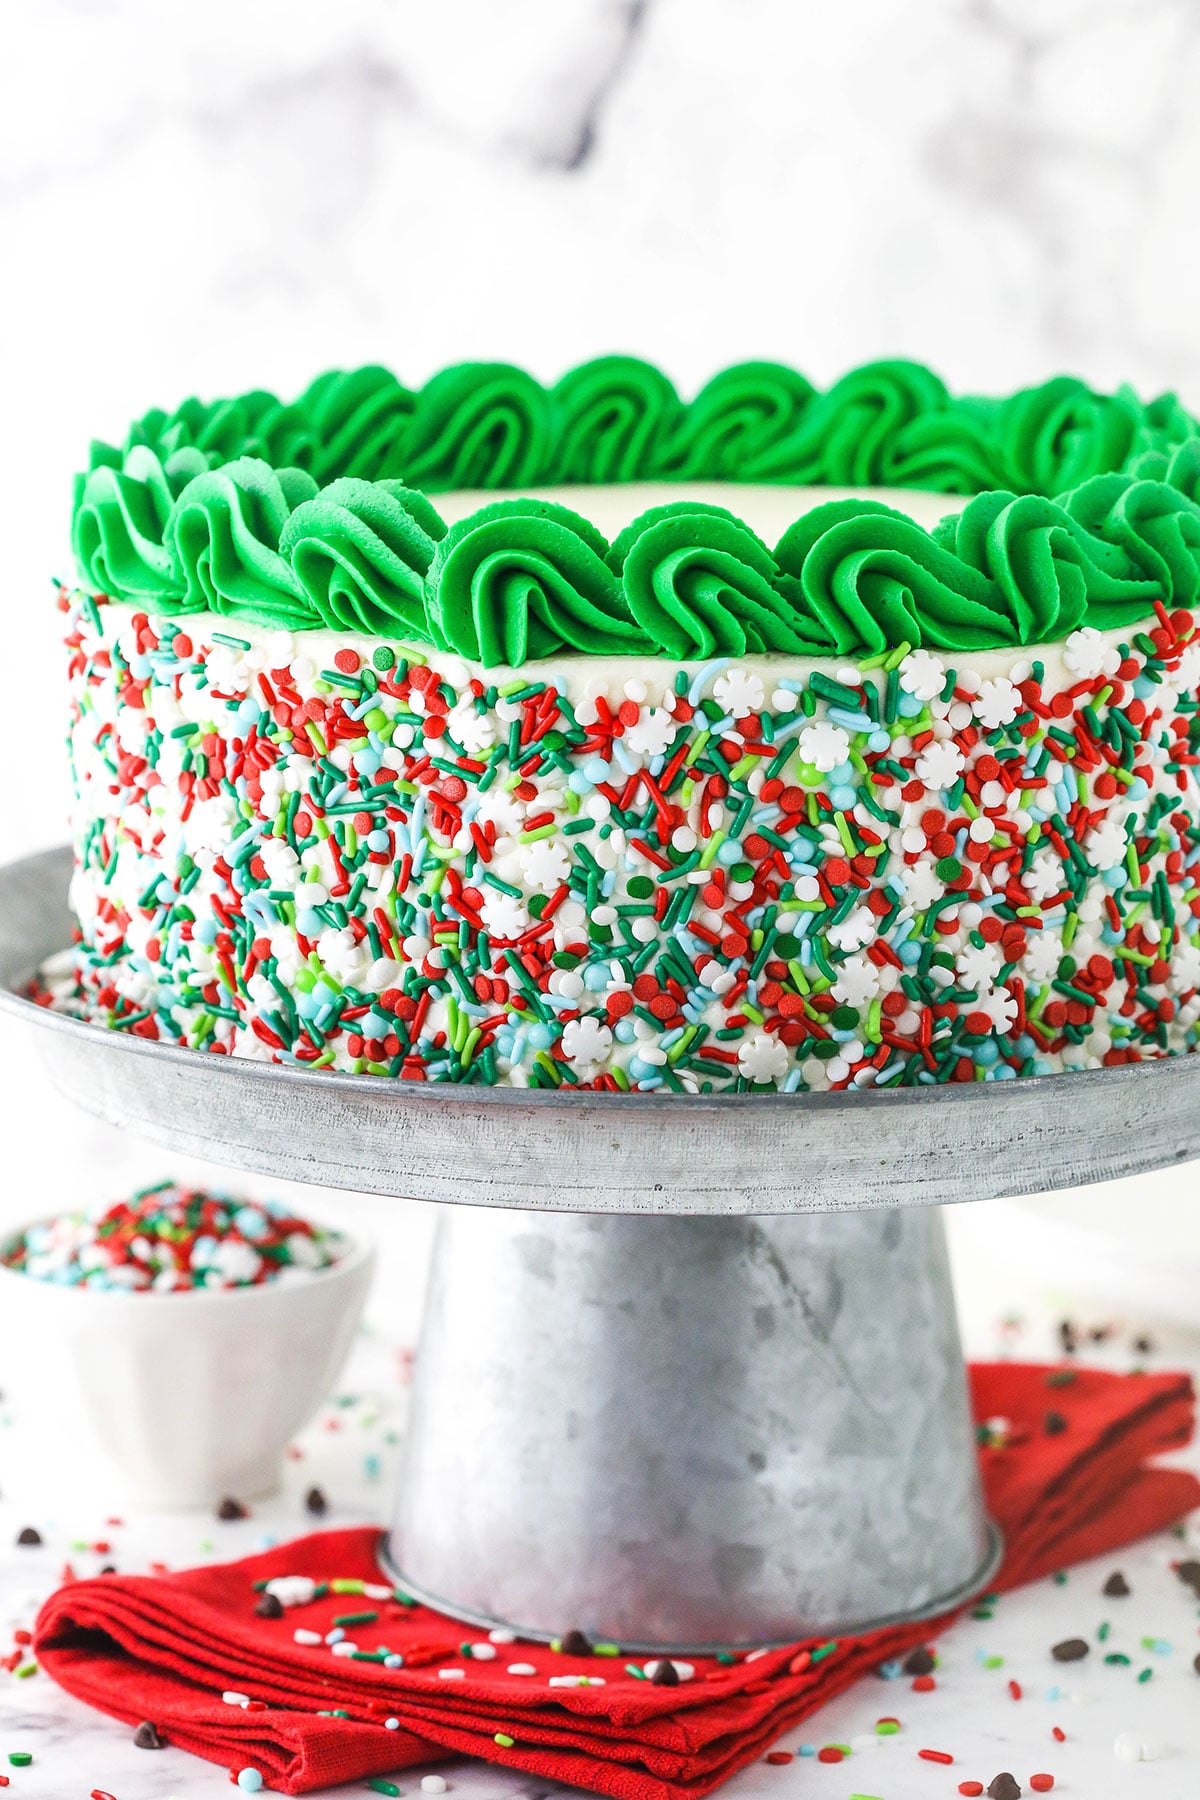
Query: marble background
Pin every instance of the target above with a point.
(208, 198)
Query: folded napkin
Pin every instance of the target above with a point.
(1063, 1456)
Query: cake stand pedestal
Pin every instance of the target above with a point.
(703, 1385)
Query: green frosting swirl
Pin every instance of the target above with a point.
(523, 579)
(1086, 510)
(480, 425)
(700, 584)
(121, 517)
(223, 539)
(361, 550)
(614, 419)
(742, 424)
(870, 578)
(360, 420)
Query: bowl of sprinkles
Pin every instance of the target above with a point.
(172, 1343)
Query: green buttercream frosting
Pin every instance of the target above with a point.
(1086, 510)
(525, 578)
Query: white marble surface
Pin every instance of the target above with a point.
(970, 1715)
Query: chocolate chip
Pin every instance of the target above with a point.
(1143, 1345)
(1189, 1573)
(1068, 1337)
(315, 1502)
(108, 1569)
(1070, 1650)
(1054, 1424)
(29, 1535)
(665, 1675)
(1196, 1665)
(1116, 1587)
(573, 1643)
(149, 1737)
(231, 1509)
(919, 1662)
(269, 1607)
(1004, 1787)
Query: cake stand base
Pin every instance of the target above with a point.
(678, 1433)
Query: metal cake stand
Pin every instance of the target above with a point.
(690, 1372)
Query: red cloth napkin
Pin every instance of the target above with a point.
(165, 1648)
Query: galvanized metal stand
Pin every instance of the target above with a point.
(678, 1433)
(703, 1385)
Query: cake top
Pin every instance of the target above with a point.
(1085, 511)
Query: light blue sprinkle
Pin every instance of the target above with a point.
(249, 1780)
(708, 672)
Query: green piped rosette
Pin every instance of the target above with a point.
(1085, 511)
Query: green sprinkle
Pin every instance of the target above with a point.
(377, 1783)
(356, 1618)
(20, 1759)
(500, 1737)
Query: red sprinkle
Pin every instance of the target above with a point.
(938, 1756)
(1014, 1688)
(970, 1787)
(923, 1684)
(778, 1757)
(830, 1753)
(1060, 1736)
(1041, 1784)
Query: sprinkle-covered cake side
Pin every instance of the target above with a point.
(747, 872)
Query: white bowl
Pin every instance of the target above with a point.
(172, 1399)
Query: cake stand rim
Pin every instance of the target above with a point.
(637, 1154)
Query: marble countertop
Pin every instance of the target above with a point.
(350, 1451)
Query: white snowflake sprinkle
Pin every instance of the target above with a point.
(979, 967)
(922, 675)
(739, 691)
(997, 703)
(586, 1041)
(855, 931)
(824, 745)
(653, 734)
(544, 865)
(922, 885)
(1104, 845)
(762, 1057)
(503, 915)
(858, 982)
(1084, 651)
(1042, 957)
(940, 764)
(1000, 1008)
